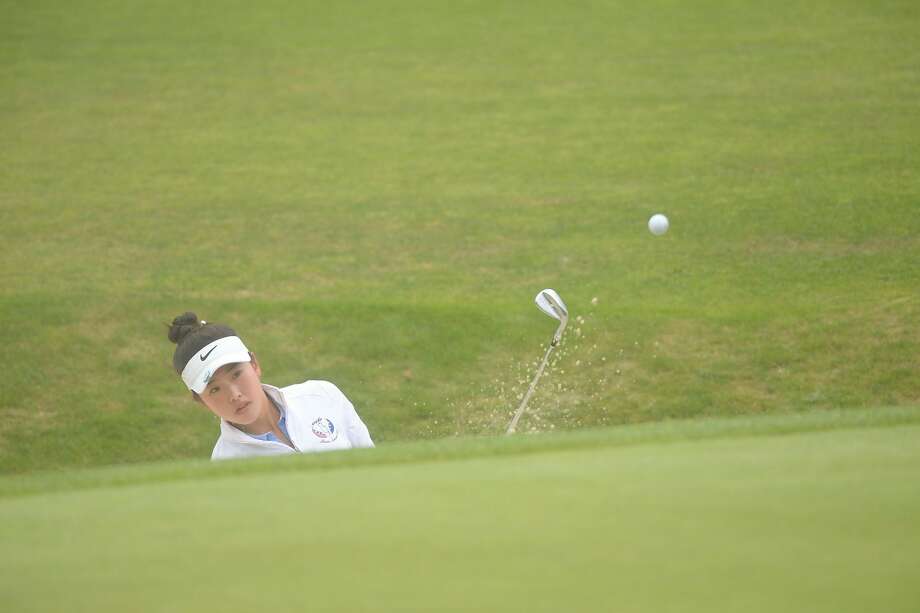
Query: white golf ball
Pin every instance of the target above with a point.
(658, 224)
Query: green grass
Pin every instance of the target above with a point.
(372, 193)
(794, 513)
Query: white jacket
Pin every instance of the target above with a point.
(318, 417)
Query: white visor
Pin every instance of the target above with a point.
(203, 365)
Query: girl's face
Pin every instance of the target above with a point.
(235, 392)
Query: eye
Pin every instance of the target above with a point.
(213, 390)
(237, 373)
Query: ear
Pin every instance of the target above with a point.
(255, 365)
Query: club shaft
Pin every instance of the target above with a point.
(533, 385)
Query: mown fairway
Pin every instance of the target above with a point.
(705, 516)
(372, 193)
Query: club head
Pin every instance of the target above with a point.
(550, 303)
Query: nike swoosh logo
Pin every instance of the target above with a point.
(205, 356)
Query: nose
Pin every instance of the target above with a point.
(236, 394)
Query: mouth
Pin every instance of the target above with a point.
(243, 407)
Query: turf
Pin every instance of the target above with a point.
(753, 514)
(373, 192)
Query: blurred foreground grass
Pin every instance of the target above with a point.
(802, 512)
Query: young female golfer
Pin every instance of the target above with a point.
(257, 419)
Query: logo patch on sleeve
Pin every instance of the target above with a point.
(324, 430)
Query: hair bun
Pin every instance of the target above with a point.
(182, 326)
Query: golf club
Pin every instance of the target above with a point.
(550, 303)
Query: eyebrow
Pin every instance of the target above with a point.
(223, 370)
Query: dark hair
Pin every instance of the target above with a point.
(191, 334)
